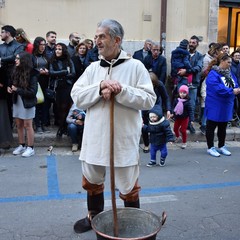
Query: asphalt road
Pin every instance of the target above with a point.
(41, 196)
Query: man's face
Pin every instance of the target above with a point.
(147, 46)
(107, 46)
(155, 51)
(4, 35)
(51, 39)
(193, 44)
(75, 39)
(225, 49)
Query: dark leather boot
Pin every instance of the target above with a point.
(95, 205)
(135, 204)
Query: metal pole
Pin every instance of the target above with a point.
(163, 23)
(229, 26)
(236, 31)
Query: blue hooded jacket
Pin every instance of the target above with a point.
(160, 132)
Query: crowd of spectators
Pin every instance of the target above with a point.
(57, 66)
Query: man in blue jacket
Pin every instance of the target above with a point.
(156, 62)
(8, 51)
(144, 52)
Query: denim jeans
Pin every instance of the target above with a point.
(162, 148)
(75, 133)
(193, 97)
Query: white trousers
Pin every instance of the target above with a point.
(125, 177)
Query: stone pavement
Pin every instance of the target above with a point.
(49, 139)
(41, 196)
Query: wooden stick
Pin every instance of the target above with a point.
(112, 175)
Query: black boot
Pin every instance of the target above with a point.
(59, 133)
(95, 205)
(135, 204)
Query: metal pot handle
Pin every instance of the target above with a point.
(164, 218)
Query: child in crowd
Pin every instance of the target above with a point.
(160, 133)
(77, 114)
(183, 113)
(75, 121)
(180, 59)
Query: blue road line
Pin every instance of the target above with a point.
(144, 192)
(53, 187)
(54, 192)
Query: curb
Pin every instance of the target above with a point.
(50, 139)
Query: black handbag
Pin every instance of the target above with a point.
(51, 93)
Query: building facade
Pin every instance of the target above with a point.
(167, 21)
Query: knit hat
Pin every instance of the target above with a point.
(10, 29)
(183, 88)
(184, 44)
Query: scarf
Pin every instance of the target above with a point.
(229, 82)
(179, 107)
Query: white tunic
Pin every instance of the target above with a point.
(137, 94)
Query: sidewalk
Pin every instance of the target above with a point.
(47, 139)
(50, 139)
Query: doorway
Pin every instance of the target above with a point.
(229, 23)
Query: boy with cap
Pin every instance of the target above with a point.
(180, 60)
(183, 113)
(160, 133)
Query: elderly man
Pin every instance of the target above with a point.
(156, 63)
(125, 79)
(145, 51)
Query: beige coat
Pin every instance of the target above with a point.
(137, 94)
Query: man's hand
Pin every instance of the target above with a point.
(106, 94)
(109, 87)
(79, 122)
(182, 72)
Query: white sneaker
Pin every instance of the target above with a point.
(184, 145)
(223, 150)
(19, 150)
(213, 152)
(74, 147)
(29, 152)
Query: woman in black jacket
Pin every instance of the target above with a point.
(79, 59)
(24, 90)
(41, 65)
(62, 75)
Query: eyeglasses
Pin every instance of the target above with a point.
(17, 58)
